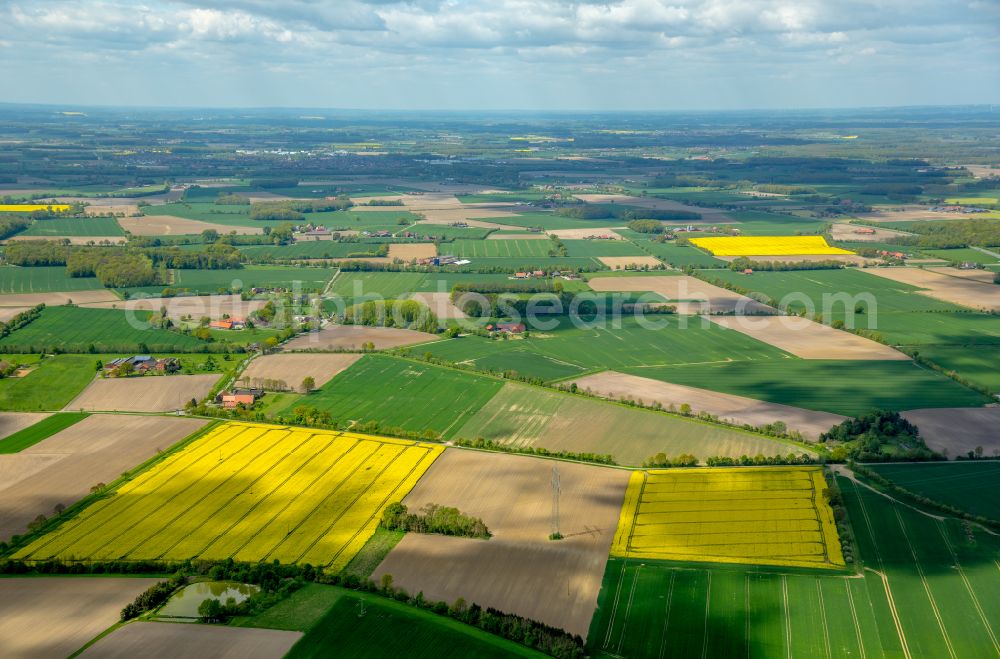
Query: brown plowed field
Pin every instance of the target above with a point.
(165, 640)
(408, 251)
(621, 262)
(704, 297)
(737, 409)
(57, 299)
(292, 367)
(440, 304)
(55, 617)
(149, 393)
(807, 339)
(519, 569)
(62, 468)
(12, 422)
(195, 306)
(353, 337)
(169, 225)
(945, 284)
(958, 430)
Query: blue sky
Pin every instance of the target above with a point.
(502, 54)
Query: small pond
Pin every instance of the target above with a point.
(184, 603)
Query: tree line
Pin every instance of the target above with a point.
(432, 518)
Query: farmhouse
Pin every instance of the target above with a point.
(230, 399)
(227, 324)
(511, 328)
(143, 364)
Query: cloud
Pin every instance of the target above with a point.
(505, 51)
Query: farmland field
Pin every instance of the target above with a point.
(412, 396)
(602, 248)
(75, 226)
(55, 382)
(567, 350)
(318, 249)
(143, 394)
(402, 630)
(524, 416)
(842, 387)
(213, 281)
(44, 279)
(28, 208)
(767, 516)
(45, 428)
(768, 246)
(164, 640)
(680, 256)
(76, 329)
(354, 337)
(250, 492)
(389, 285)
(972, 486)
(500, 248)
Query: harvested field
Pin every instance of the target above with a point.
(6, 313)
(409, 251)
(164, 640)
(707, 214)
(353, 337)
(169, 225)
(480, 224)
(850, 232)
(982, 276)
(195, 306)
(292, 367)
(74, 240)
(62, 468)
(442, 208)
(762, 516)
(149, 393)
(945, 284)
(519, 569)
(440, 304)
(57, 299)
(127, 210)
(584, 234)
(729, 407)
(958, 430)
(12, 422)
(808, 339)
(622, 262)
(55, 617)
(517, 236)
(701, 296)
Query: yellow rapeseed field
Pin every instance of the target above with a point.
(765, 516)
(251, 492)
(768, 246)
(27, 208)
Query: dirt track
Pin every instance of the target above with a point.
(148, 393)
(62, 468)
(958, 430)
(164, 640)
(807, 339)
(353, 337)
(737, 409)
(946, 284)
(54, 617)
(519, 570)
(292, 367)
(12, 422)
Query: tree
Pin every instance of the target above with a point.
(685, 409)
(210, 610)
(308, 384)
(209, 235)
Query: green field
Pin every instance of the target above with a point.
(78, 329)
(43, 429)
(962, 255)
(401, 394)
(50, 386)
(977, 363)
(680, 256)
(47, 279)
(499, 248)
(550, 221)
(944, 589)
(75, 226)
(389, 285)
(842, 387)
(317, 249)
(602, 248)
(214, 281)
(973, 486)
(525, 416)
(567, 350)
(386, 628)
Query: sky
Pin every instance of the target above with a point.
(549, 55)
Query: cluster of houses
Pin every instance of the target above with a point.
(236, 397)
(142, 364)
(446, 259)
(713, 229)
(895, 255)
(528, 275)
(507, 328)
(958, 209)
